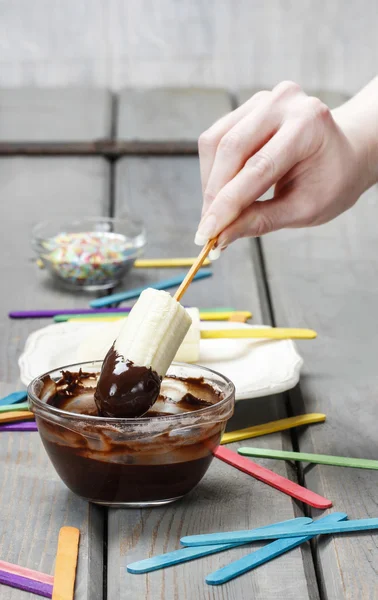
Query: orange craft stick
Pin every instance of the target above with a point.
(238, 317)
(16, 415)
(65, 566)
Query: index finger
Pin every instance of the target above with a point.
(209, 139)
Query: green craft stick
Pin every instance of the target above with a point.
(11, 407)
(101, 315)
(320, 459)
(90, 317)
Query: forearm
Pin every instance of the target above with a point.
(358, 118)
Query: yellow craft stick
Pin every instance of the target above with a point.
(272, 427)
(224, 315)
(147, 263)
(155, 263)
(65, 565)
(16, 415)
(275, 333)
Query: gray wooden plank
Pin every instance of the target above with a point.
(165, 192)
(327, 278)
(167, 117)
(34, 502)
(331, 98)
(64, 115)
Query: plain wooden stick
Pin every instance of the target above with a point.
(193, 270)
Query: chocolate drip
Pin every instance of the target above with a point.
(124, 389)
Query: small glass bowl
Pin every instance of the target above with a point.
(92, 253)
(140, 462)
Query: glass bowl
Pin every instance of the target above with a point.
(141, 462)
(92, 253)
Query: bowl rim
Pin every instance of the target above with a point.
(58, 220)
(61, 224)
(32, 398)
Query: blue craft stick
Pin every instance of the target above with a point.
(136, 292)
(13, 398)
(184, 554)
(268, 552)
(237, 537)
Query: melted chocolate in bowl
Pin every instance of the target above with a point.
(148, 461)
(124, 389)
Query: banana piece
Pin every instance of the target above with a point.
(189, 351)
(132, 371)
(96, 344)
(153, 331)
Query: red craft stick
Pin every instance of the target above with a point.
(273, 479)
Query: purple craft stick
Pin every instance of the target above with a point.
(45, 314)
(26, 584)
(22, 426)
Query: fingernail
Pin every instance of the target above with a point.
(206, 230)
(215, 253)
(200, 240)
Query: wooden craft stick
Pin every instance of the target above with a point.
(24, 572)
(135, 293)
(65, 566)
(204, 316)
(320, 459)
(23, 426)
(227, 315)
(26, 584)
(14, 407)
(273, 479)
(273, 333)
(192, 552)
(272, 427)
(45, 314)
(13, 398)
(163, 263)
(17, 415)
(317, 528)
(195, 267)
(267, 553)
(238, 317)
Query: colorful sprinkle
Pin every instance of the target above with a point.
(89, 258)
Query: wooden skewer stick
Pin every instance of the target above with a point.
(193, 270)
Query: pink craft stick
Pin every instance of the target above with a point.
(24, 572)
(273, 479)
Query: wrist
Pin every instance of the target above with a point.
(358, 120)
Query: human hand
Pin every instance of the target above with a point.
(283, 138)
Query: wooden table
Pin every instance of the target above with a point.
(86, 152)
